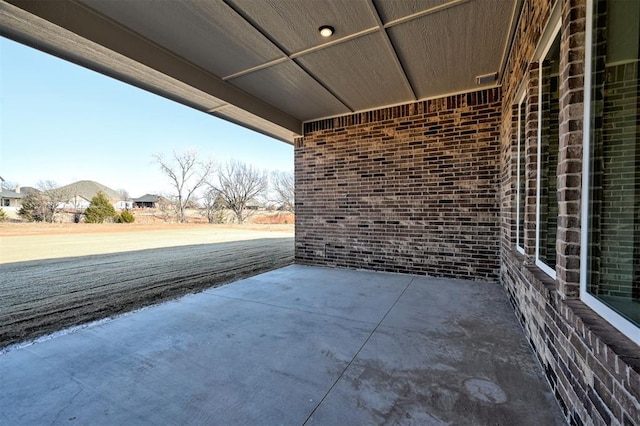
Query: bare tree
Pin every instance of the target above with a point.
(54, 197)
(214, 206)
(186, 174)
(166, 210)
(33, 208)
(284, 188)
(124, 196)
(45, 204)
(238, 184)
(8, 185)
(76, 205)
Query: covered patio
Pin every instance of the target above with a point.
(298, 345)
(468, 139)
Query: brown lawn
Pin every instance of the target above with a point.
(62, 275)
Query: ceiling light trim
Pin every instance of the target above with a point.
(268, 37)
(326, 31)
(331, 43)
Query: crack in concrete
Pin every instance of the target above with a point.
(68, 404)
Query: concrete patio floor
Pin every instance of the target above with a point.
(298, 345)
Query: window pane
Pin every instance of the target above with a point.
(549, 139)
(614, 227)
(521, 172)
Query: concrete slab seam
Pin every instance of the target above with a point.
(358, 352)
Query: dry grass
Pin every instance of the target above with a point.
(279, 218)
(48, 294)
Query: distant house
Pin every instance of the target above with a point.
(149, 201)
(26, 190)
(253, 204)
(12, 199)
(80, 194)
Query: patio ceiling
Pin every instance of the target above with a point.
(263, 64)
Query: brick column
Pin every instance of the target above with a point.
(570, 155)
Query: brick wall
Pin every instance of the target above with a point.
(424, 188)
(593, 369)
(407, 189)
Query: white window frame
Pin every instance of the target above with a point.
(522, 98)
(554, 25)
(615, 319)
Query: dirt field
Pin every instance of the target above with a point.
(57, 276)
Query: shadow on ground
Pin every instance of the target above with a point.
(44, 296)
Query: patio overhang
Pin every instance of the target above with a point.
(264, 65)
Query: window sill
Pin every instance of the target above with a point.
(605, 341)
(534, 275)
(594, 329)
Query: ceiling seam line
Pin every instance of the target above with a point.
(392, 49)
(186, 63)
(197, 68)
(335, 42)
(256, 68)
(116, 75)
(218, 108)
(417, 15)
(137, 35)
(283, 51)
(317, 80)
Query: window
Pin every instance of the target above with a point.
(6, 202)
(521, 175)
(610, 275)
(548, 145)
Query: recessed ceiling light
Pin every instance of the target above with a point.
(326, 31)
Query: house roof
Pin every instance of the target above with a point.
(10, 194)
(26, 190)
(264, 65)
(147, 198)
(88, 189)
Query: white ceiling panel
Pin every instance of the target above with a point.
(207, 33)
(287, 87)
(363, 72)
(444, 52)
(293, 24)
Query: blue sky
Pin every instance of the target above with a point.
(62, 122)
